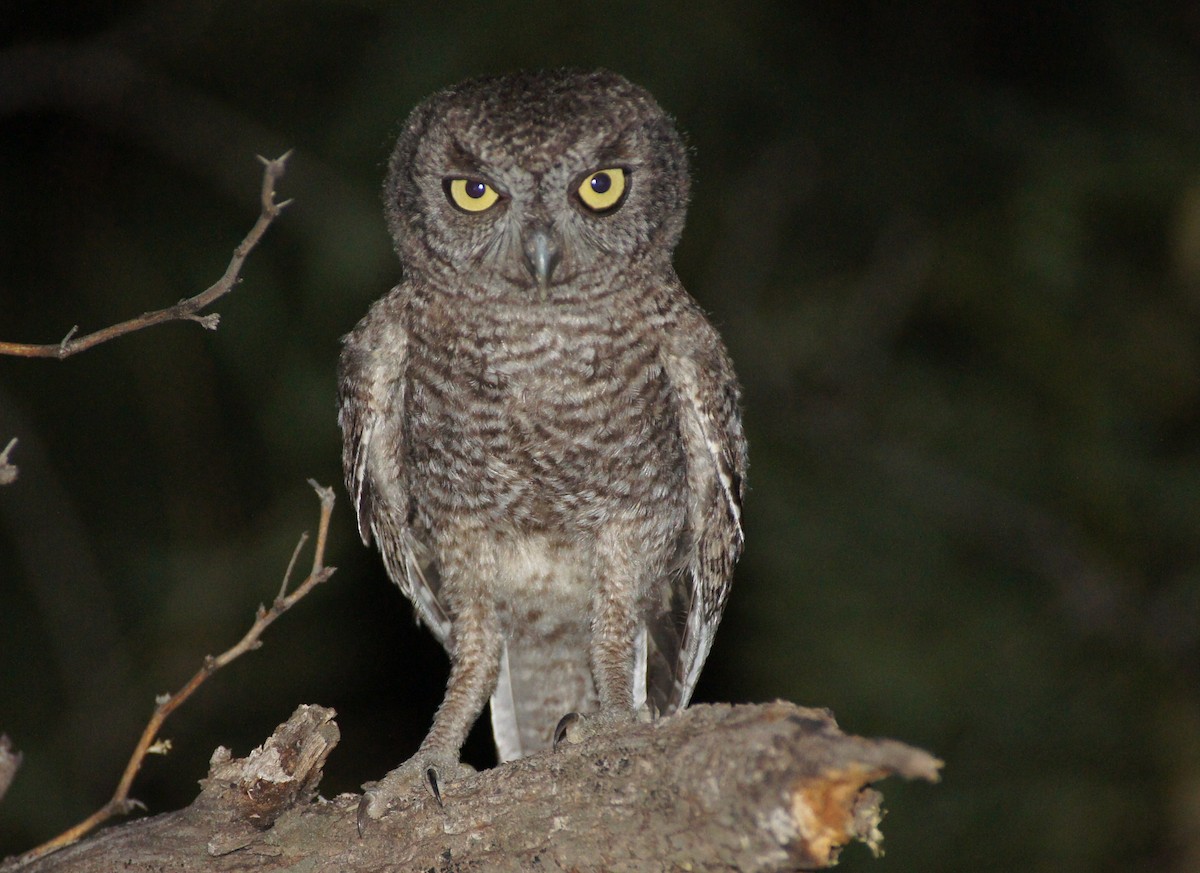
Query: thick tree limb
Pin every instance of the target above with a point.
(715, 788)
(188, 309)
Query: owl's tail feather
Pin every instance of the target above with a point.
(540, 682)
(505, 729)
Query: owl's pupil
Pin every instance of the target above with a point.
(475, 190)
(601, 182)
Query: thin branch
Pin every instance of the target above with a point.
(8, 470)
(188, 309)
(121, 803)
(10, 762)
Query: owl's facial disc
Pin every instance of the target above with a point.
(555, 216)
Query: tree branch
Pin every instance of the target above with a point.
(188, 309)
(10, 762)
(8, 470)
(714, 788)
(121, 803)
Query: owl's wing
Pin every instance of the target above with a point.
(371, 399)
(680, 635)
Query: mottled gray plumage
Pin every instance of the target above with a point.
(541, 428)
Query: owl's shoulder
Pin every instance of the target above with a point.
(375, 352)
(685, 324)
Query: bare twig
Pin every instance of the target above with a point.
(8, 470)
(121, 803)
(188, 309)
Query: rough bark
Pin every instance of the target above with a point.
(747, 788)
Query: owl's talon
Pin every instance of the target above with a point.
(371, 808)
(568, 730)
(423, 771)
(363, 819)
(431, 777)
(575, 727)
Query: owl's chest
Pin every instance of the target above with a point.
(542, 421)
(547, 372)
(526, 373)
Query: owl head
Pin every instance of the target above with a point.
(543, 186)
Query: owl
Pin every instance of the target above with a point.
(542, 431)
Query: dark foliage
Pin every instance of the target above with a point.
(955, 251)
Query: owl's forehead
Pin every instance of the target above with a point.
(536, 148)
(531, 143)
(535, 130)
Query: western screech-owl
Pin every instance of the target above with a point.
(542, 430)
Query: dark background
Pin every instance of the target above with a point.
(954, 249)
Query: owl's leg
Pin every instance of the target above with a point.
(615, 621)
(475, 645)
(616, 626)
(475, 663)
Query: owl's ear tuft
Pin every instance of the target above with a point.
(400, 186)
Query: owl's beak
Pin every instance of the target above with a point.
(541, 257)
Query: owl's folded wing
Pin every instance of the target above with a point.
(709, 419)
(371, 413)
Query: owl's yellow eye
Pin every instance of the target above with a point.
(471, 195)
(603, 190)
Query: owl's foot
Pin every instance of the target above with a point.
(423, 771)
(575, 727)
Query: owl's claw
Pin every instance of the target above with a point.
(568, 730)
(431, 779)
(366, 811)
(575, 727)
(424, 770)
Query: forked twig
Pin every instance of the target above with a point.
(185, 310)
(121, 803)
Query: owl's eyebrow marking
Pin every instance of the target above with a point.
(613, 153)
(463, 158)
